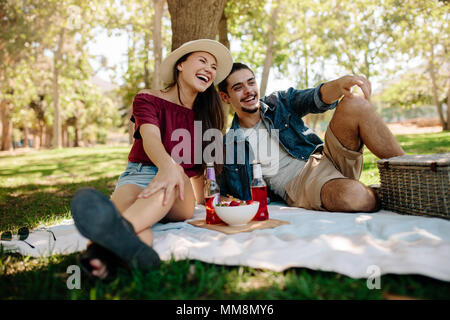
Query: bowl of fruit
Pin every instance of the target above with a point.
(235, 212)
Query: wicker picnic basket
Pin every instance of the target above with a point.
(416, 184)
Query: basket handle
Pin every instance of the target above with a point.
(433, 166)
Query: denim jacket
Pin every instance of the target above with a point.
(283, 111)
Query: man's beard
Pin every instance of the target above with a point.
(249, 110)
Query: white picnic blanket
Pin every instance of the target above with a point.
(356, 245)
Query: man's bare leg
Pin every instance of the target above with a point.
(348, 195)
(355, 120)
(354, 123)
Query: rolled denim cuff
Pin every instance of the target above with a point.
(318, 100)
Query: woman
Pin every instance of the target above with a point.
(153, 185)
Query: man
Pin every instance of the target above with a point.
(304, 171)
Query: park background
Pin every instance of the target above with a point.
(69, 70)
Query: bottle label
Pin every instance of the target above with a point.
(257, 172)
(210, 202)
(216, 199)
(210, 174)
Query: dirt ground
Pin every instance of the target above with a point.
(419, 125)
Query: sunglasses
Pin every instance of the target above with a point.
(22, 235)
(48, 230)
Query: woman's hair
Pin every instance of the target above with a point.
(207, 106)
(236, 67)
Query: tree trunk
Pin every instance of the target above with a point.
(434, 88)
(305, 83)
(57, 139)
(306, 55)
(48, 137)
(223, 31)
(26, 136)
(146, 62)
(41, 134)
(269, 50)
(223, 39)
(367, 65)
(36, 141)
(194, 19)
(76, 140)
(64, 135)
(6, 126)
(130, 126)
(448, 109)
(157, 42)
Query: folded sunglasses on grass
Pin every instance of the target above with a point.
(22, 235)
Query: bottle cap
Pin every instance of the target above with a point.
(257, 171)
(210, 173)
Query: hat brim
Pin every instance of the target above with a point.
(218, 50)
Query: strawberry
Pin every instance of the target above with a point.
(234, 204)
(250, 201)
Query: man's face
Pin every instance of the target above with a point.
(242, 92)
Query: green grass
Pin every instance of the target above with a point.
(36, 189)
(412, 144)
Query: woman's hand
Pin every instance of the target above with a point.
(170, 176)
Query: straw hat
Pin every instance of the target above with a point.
(218, 50)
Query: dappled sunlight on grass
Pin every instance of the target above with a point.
(257, 280)
(36, 189)
(437, 142)
(370, 174)
(37, 186)
(30, 204)
(72, 165)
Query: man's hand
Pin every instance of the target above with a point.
(346, 83)
(334, 90)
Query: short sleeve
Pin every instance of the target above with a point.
(145, 110)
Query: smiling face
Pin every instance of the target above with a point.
(198, 70)
(242, 93)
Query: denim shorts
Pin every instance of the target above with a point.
(138, 174)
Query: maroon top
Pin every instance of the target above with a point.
(167, 116)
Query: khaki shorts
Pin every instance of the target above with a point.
(334, 161)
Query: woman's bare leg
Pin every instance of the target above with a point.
(143, 213)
